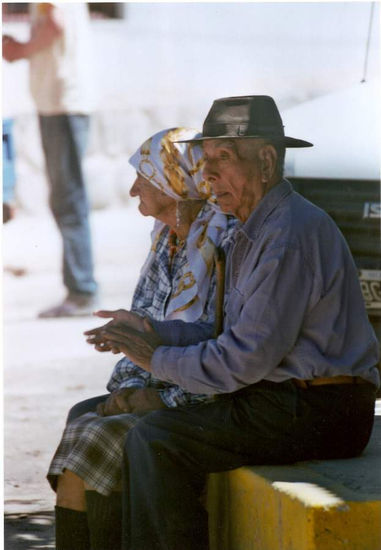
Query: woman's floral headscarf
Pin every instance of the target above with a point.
(176, 169)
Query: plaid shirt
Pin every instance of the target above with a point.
(150, 298)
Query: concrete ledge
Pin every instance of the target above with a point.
(320, 505)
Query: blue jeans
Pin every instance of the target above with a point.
(64, 139)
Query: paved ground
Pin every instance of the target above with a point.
(29, 531)
(48, 365)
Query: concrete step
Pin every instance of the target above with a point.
(317, 505)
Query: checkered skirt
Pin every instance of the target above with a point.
(92, 447)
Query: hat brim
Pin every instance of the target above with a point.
(287, 141)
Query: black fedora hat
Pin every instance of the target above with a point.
(250, 116)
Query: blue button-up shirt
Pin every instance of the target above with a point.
(293, 307)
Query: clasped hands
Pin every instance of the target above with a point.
(126, 333)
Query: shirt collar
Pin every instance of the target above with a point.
(270, 201)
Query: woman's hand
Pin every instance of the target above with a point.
(144, 400)
(116, 403)
(131, 400)
(122, 316)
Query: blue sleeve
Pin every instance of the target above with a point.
(180, 333)
(262, 326)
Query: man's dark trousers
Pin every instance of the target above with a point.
(169, 452)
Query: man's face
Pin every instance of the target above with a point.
(234, 174)
(153, 202)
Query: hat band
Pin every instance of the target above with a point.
(232, 129)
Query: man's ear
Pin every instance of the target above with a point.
(268, 159)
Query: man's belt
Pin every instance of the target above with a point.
(328, 380)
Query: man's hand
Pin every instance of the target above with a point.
(116, 403)
(95, 336)
(44, 34)
(138, 347)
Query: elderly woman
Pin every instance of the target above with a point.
(177, 281)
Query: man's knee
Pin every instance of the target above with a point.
(151, 428)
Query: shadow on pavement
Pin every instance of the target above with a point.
(29, 531)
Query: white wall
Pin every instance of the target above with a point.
(164, 63)
(347, 138)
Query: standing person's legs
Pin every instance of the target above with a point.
(169, 453)
(64, 139)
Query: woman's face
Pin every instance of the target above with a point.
(153, 202)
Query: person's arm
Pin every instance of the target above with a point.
(44, 34)
(264, 322)
(139, 346)
(181, 333)
(269, 316)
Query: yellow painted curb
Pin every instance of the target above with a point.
(252, 511)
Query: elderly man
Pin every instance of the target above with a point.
(295, 366)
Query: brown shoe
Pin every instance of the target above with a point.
(74, 305)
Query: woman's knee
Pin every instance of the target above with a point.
(83, 407)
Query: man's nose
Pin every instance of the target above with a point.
(209, 170)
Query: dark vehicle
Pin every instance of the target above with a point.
(341, 174)
(355, 207)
